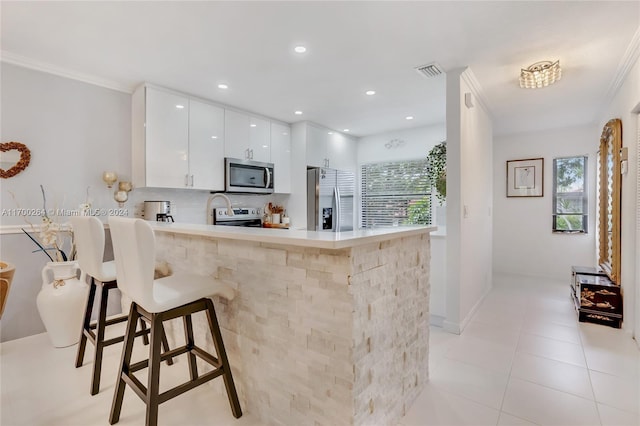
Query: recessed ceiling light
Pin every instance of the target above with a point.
(300, 49)
(253, 125)
(222, 86)
(345, 130)
(214, 137)
(298, 113)
(180, 106)
(409, 117)
(265, 146)
(329, 133)
(370, 92)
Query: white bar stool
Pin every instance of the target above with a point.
(178, 295)
(89, 239)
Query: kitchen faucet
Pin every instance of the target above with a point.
(210, 212)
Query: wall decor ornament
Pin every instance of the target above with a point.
(19, 165)
(525, 178)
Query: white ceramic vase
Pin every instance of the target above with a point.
(61, 302)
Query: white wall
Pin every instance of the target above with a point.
(418, 141)
(623, 105)
(74, 131)
(523, 243)
(469, 195)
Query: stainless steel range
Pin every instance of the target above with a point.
(242, 216)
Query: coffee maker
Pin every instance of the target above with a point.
(157, 211)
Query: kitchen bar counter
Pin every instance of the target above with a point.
(302, 238)
(325, 328)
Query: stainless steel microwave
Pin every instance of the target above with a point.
(248, 176)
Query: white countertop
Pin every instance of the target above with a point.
(325, 240)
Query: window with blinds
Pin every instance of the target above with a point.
(396, 193)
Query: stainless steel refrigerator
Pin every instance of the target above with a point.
(330, 200)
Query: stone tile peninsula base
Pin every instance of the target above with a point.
(316, 336)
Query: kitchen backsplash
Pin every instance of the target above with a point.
(189, 205)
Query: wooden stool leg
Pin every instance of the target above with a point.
(153, 386)
(188, 338)
(222, 357)
(165, 345)
(100, 327)
(143, 326)
(125, 362)
(85, 323)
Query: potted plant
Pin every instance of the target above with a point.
(437, 159)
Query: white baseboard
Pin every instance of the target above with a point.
(436, 320)
(458, 328)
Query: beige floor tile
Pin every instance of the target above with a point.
(436, 407)
(547, 406)
(553, 349)
(553, 374)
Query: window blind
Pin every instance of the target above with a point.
(395, 193)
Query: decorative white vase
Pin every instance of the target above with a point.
(61, 302)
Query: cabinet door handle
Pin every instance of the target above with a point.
(246, 154)
(251, 154)
(186, 179)
(192, 180)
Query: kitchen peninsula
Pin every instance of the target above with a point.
(326, 328)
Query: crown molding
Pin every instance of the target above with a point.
(627, 62)
(25, 62)
(470, 78)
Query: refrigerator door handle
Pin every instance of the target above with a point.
(338, 218)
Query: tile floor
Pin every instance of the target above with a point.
(522, 360)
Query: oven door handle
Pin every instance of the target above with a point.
(268, 175)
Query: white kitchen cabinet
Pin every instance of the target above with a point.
(167, 139)
(206, 146)
(247, 137)
(328, 148)
(281, 157)
(342, 151)
(316, 141)
(178, 142)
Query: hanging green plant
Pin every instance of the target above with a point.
(437, 159)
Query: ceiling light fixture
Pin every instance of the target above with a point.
(370, 92)
(180, 106)
(540, 74)
(409, 117)
(222, 86)
(300, 49)
(298, 113)
(346, 130)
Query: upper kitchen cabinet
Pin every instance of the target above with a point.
(328, 148)
(206, 146)
(281, 157)
(342, 151)
(178, 142)
(247, 137)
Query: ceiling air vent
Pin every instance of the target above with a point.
(430, 70)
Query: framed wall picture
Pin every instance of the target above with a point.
(525, 178)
